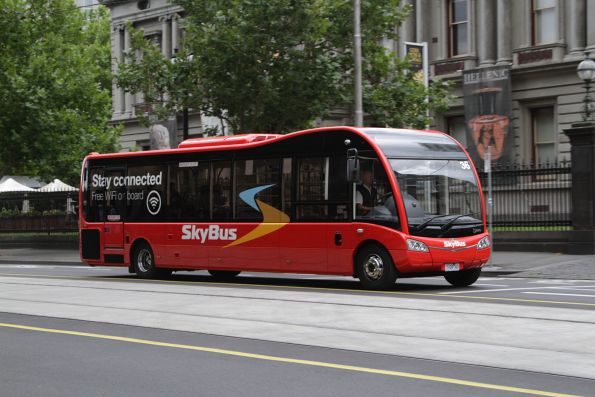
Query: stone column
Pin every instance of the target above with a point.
(165, 36)
(128, 96)
(504, 36)
(423, 18)
(175, 34)
(590, 27)
(582, 141)
(407, 28)
(486, 33)
(576, 21)
(117, 94)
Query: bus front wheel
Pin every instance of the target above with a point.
(223, 274)
(463, 278)
(375, 268)
(144, 263)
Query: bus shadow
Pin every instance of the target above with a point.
(275, 281)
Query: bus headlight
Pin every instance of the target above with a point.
(484, 243)
(418, 246)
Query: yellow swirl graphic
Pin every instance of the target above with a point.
(272, 220)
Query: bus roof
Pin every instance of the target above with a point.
(242, 141)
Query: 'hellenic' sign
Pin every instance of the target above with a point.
(487, 102)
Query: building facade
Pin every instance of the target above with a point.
(542, 40)
(160, 21)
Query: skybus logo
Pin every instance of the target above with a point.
(454, 244)
(272, 220)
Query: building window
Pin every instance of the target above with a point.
(544, 23)
(544, 135)
(457, 128)
(458, 27)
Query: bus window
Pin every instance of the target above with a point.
(287, 186)
(312, 189)
(188, 194)
(338, 197)
(254, 173)
(221, 191)
(374, 200)
(147, 193)
(115, 195)
(96, 196)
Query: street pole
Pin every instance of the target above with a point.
(357, 44)
(488, 169)
(185, 122)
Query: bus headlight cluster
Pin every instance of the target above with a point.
(484, 243)
(418, 246)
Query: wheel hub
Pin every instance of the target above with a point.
(374, 267)
(144, 260)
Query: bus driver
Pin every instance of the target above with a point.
(366, 195)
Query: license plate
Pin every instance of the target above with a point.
(452, 267)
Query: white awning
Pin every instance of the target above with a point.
(10, 185)
(57, 186)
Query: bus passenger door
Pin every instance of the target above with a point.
(113, 226)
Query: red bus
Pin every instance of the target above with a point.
(372, 203)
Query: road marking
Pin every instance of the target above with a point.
(272, 286)
(288, 360)
(496, 290)
(559, 294)
(491, 285)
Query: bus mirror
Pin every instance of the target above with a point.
(352, 165)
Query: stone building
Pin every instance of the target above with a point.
(160, 21)
(542, 40)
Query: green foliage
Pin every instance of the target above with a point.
(275, 66)
(55, 85)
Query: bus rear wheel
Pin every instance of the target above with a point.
(224, 274)
(375, 268)
(463, 278)
(144, 263)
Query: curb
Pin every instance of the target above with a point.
(40, 262)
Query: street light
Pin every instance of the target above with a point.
(586, 72)
(357, 54)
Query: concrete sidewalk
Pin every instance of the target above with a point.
(514, 264)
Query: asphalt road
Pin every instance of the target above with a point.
(44, 363)
(79, 331)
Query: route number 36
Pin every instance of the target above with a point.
(465, 165)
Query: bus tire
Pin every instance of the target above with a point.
(375, 268)
(463, 278)
(144, 262)
(224, 274)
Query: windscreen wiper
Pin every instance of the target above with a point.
(422, 226)
(449, 224)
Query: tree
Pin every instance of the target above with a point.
(55, 86)
(276, 66)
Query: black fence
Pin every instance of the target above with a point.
(528, 195)
(39, 212)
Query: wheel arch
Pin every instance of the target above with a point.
(363, 244)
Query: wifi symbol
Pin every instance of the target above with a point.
(153, 202)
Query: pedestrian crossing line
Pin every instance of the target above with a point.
(288, 360)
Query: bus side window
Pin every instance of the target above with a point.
(312, 189)
(221, 191)
(97, 199)
(142, 182)
(374, 199)
(251, 174)
(188, 195)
